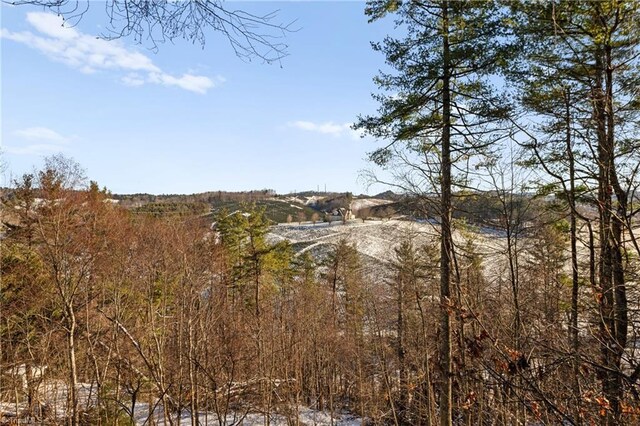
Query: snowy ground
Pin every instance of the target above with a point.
(306, 416)
(53, 395)
(359, 204)
(377, 239)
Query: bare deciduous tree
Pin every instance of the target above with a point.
(249, 35)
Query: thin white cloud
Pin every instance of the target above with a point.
(193, 83)
(326, 128)
(41, 134)
(132, 80)
(51, 25)
(89, 54)
(35, 149)
(38, 141)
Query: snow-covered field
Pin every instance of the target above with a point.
(359, 204)
(375, 239)
(356, 204)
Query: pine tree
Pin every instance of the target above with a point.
(408, 283)
(581, 76)
(436, 111)
(243, 234)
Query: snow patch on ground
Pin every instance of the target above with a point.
(53, 398)
(359, 204)
(304, 415)
(376, 240)
(373, 238)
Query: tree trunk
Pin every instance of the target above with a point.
(613, 302)
(404, 385)
(72, 395)
(445, 238)
(573, 328)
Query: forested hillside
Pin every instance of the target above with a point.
(108, 314)
(496, 285)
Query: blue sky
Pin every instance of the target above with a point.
(186, 119)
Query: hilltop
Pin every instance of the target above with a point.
(279, 208)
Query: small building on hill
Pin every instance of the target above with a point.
(343, 214)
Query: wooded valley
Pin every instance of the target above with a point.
(508, 128)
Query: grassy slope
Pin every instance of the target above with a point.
(276, 210)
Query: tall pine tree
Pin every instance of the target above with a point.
(437, 109)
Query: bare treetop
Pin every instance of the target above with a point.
(157, 21)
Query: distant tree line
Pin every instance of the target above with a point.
(173, 209)
(210, 197)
